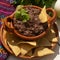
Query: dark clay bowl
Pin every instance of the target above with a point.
(11, 28)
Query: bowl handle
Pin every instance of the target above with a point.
(51, 19)
(8, 24)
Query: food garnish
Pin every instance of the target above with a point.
(21, 14)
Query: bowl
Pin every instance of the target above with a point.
(11, 28)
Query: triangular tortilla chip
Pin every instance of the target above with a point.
(16, 40)
(55, 39)
(43, 42)
(16, 49)
(33, 43)
(41, 51)
(29, 53)
(43, 15)
(12, 39)
(51, 36)
(25, 48)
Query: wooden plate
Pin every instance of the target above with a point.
(9, 50)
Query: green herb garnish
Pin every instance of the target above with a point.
(17, 15)
(22, 14)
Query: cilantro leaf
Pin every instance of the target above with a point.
(22, 14)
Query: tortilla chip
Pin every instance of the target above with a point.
(29, 53)
(25, 48)
(43, 15)
(52, 30)
(53, 44)
(43, 42)
(12, 39)
(41, 51)
(16, 49)
(55, 39)
(33, 43)
(16, 40)
(51, 36)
